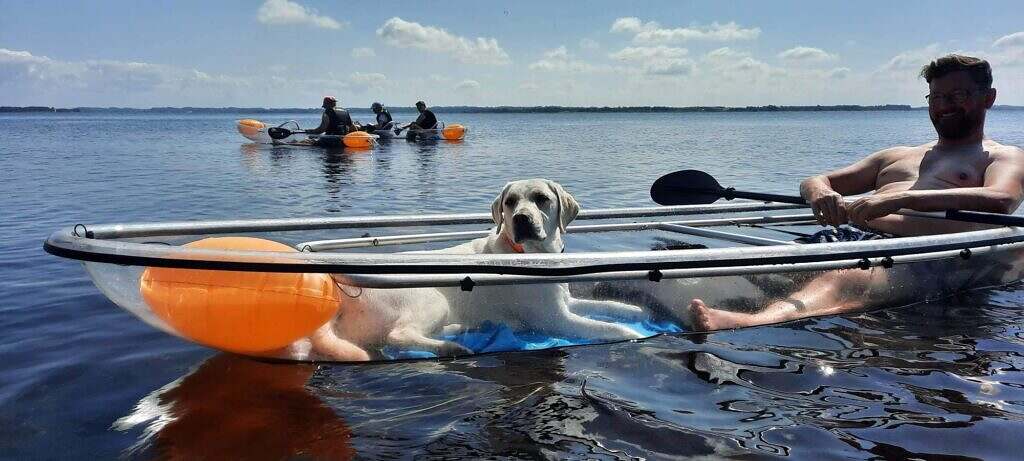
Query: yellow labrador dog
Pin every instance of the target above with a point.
(531, 217)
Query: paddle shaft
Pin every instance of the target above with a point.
(979, 217)
(730, 193)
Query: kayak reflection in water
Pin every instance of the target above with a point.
(960, 170)
(232, 407)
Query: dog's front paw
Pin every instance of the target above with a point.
(450, 349)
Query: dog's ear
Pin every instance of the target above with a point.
(496, 208)
(568, 207)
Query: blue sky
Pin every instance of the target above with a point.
(283, 53)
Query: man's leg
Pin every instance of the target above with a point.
(830, 293)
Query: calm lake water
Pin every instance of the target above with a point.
(80, 378)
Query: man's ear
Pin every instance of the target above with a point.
(568, 207)
(497, 206)
(990, 98)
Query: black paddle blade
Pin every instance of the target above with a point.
(686, 187)
(279, 133)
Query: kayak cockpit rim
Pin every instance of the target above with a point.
(101, 245)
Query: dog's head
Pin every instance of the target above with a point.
(534, 213)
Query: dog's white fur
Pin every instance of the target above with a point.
(532, 213)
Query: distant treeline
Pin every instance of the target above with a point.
(486, 110)
(35, 109)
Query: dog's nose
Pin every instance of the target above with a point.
(523, 226)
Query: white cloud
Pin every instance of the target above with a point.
(26, 79)
(643, 53)
(652, 33)
(656, 60)
(589, 44)
(725, 53)
(560, 60)
(558, 53)
(285, 12)
(360, 81)
(630, 24)
(22, 67)
(729, 63)
(468, 85)
(363, 52)
(912, 59)
(529, 86)
(806, 54)
(667, 67)
(1013, 40)
(839, 72)
(405, 34)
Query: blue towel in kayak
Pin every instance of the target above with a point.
(492, 337)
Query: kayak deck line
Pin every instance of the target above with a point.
(104, 244)
(384, 240)
(117, 231)
(455, 280)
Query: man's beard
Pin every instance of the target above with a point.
(957, 126)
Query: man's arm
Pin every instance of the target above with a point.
(323, 125)
(825, 192)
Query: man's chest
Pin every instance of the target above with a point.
(932, 170)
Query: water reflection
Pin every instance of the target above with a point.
(871, 384)
(232, 407)
(883, 379)
(336, 168)
(461, 409)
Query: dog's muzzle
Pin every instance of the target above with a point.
(523, 228)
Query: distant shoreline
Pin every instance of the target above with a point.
(483, 109)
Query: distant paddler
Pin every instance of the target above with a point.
(383, 121)
(426, 120)
(334, 121)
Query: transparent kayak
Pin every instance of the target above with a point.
(354, 289)
(292, 135)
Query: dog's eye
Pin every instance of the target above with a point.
(511, 201)
(541, 199)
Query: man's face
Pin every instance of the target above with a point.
(420, 107)
(956, 105)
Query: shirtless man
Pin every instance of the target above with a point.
(961, 170)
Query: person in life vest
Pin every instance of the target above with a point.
(383, 120)
(334, 121)
(425, 121)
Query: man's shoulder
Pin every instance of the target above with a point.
(897, 152)
(1001, 150)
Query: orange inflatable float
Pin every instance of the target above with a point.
(453, 132)
(251, 128)
(244, 312)
(358, 140)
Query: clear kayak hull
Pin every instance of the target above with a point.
(259, 132)
(399, 305)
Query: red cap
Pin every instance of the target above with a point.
(329, 100)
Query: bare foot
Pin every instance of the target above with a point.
(703, 318)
